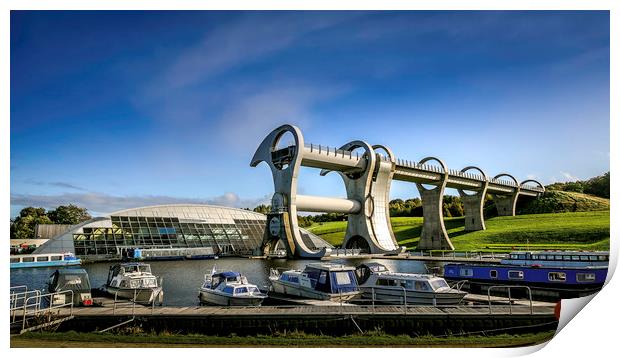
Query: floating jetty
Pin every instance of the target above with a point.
(339, 319)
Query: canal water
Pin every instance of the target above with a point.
(182, 279)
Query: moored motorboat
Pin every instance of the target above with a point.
(229, 288)
(382, 286)
(548, 274)
(70, 284)
(321, 281)
(134, 281)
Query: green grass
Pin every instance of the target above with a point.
(572, 230)
(292, 339)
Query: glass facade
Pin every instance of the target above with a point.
(184, 229)
(240, 238)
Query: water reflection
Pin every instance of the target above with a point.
(182, 279)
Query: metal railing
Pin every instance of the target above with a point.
(479, 255)
(509, 298)
(35, 309)
(345, 252)
(18, 300)
(133, 301)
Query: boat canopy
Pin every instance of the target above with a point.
(364, 271)
(69, 279)
(332, 281)
(228, 274)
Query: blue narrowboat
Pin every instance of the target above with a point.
(549, 274)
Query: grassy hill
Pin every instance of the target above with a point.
(570, 230)
(556, 201)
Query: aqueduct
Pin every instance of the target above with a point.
(367, 175)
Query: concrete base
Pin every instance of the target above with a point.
(506, 205)
(474, 218)
(434, 235)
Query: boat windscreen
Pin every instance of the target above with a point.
(438, 283)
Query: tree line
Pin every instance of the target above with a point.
(597, 186)
(22, 227)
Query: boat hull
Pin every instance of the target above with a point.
(536, 278)
(395, 296)
(291, 289)
(141, 295)
(212, 298)
(15, 265)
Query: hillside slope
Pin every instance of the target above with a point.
(571, 230)
(555, 201)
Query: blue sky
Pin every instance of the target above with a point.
(111, 110)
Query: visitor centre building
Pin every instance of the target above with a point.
(226, 231)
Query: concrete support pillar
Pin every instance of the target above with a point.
(473, 204)
(507, 204)
(434, 235)
(285, 171)
(370, 228)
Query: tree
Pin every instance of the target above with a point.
(263, 209)
(68, 215)
(23, 225)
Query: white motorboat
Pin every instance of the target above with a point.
(229, 288)
(379, 284)
(321, 281)
(134, 281)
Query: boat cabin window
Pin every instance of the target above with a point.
(385, 282)
(603, 258)
(437, 284)
(149, 282)
(557, 276)
(515, 275)
(228, 289)
(254, 289)
(14, 259)
(323, 277)
(42, 258)
(289, 278)
(467, 272)
(240, 290)
(343, 278)
(493, 273)
(575, 258)
(514, 256)
(422, 286)
(521, 256)
(585, 277)
(541, 257)
(56, 258)
(28, 259)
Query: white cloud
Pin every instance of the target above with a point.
(253, 115)
(569, 176)
(235, 44)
